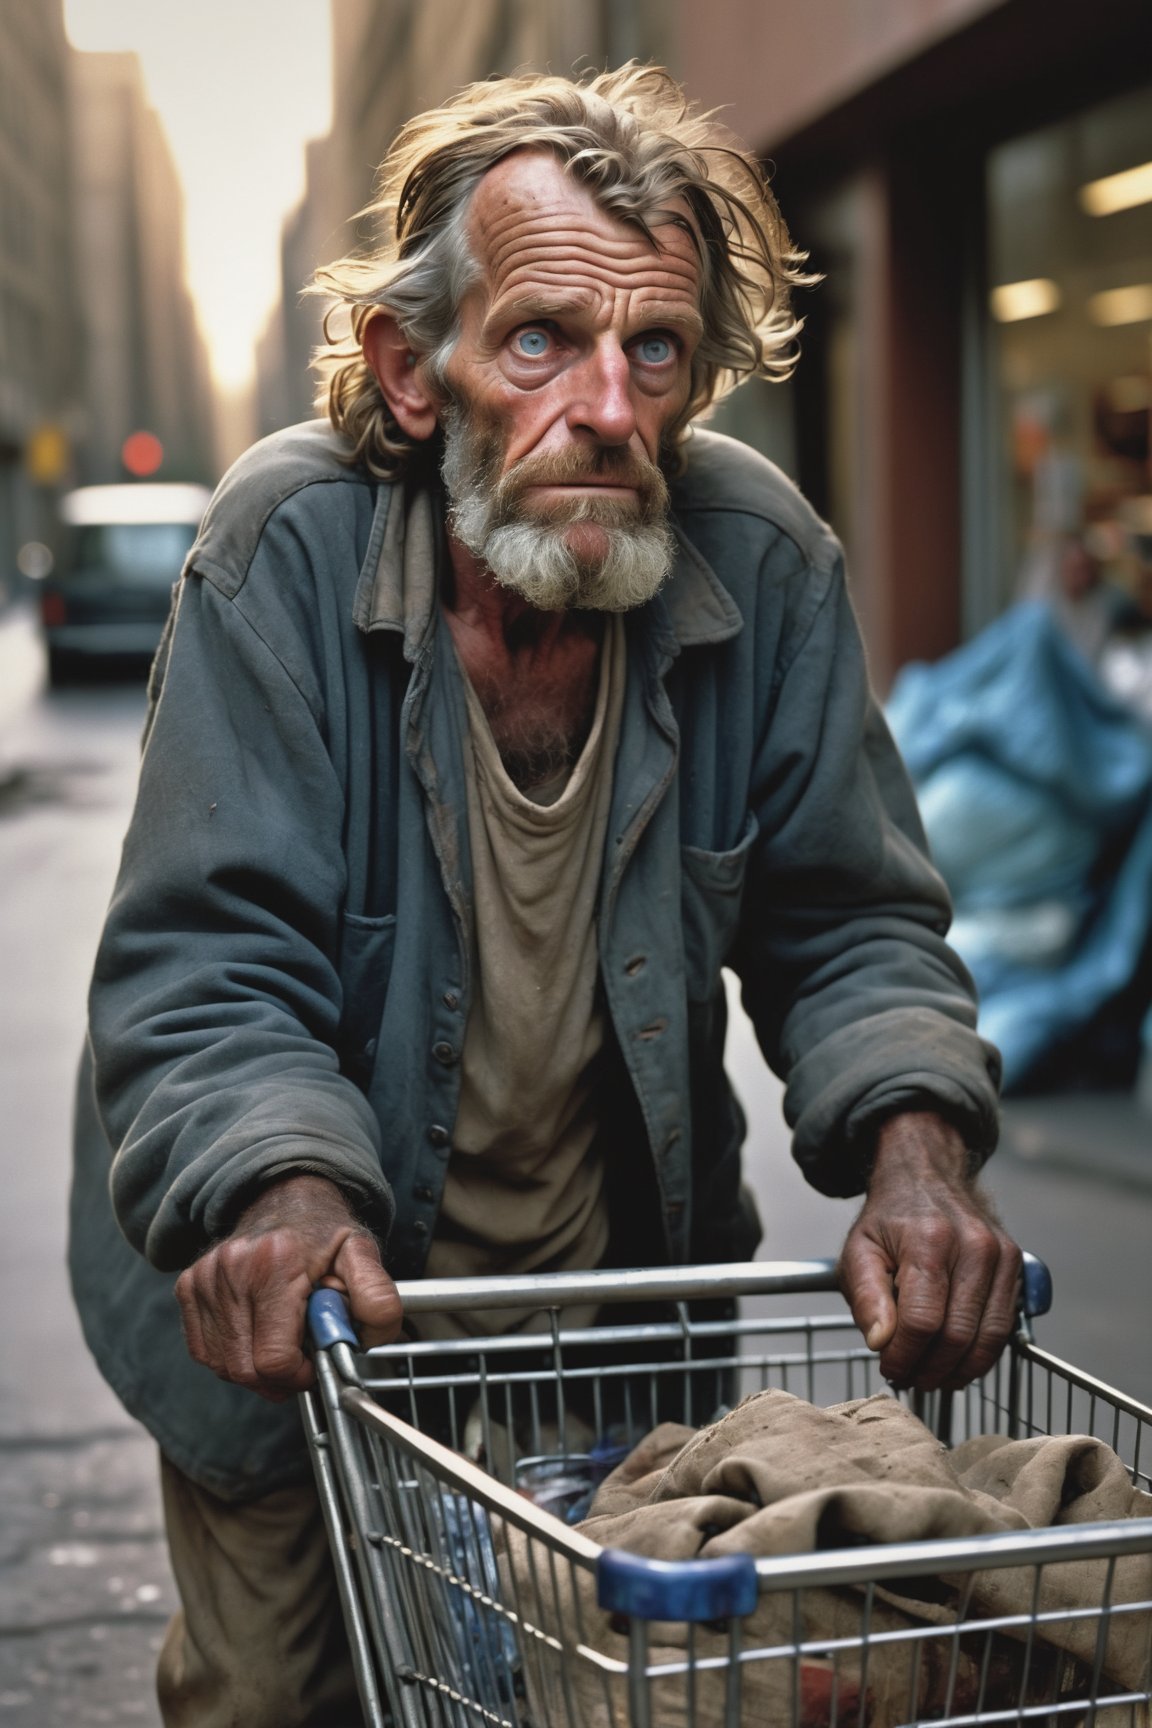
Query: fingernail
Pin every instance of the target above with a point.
(874, 1335)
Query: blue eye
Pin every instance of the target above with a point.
(533, 343)
(654, 350)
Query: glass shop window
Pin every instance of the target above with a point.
(1070, 257)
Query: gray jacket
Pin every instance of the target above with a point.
(283, 981)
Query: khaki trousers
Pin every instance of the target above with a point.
(259, 1641)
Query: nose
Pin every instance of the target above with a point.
(602, 395)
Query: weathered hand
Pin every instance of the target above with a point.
(243, 1302)
(930, 1276)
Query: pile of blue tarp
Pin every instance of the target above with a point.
(1035, 784)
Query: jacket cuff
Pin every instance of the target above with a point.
(945, 1067)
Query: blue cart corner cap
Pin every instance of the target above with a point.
(676, 1589)
(1036, 1296)
(328, 1320)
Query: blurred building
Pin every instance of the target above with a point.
(391, 59)
(394, 58)
(40, 348)
(975, 179)
(973, 396)
(146, 364)
(316, 231)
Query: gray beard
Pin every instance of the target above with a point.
(532, 558)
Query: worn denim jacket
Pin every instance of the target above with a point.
(283, 982)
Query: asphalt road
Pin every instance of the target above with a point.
(84, 1590)
(84, 1584)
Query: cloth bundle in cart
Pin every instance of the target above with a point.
(817, 1554)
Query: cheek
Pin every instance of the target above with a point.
(655, 413)
(530, 420)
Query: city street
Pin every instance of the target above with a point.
(84, 1590)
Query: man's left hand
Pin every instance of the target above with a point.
(931, 1277)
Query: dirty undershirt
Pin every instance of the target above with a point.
(525, 1183)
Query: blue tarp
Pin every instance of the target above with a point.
(1035, 784)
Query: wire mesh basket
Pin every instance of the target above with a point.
(452, 1475)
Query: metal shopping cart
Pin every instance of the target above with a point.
(468, 1602)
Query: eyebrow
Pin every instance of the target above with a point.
(528, 306)
(686, 316)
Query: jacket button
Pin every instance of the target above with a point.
(419, 1228)
(450, 1000)
(636, 964)
(444, 1053)
(438, 1136)
(423, 1194)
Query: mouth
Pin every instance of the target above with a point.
(606, 488)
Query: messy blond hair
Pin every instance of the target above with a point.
(633, 139)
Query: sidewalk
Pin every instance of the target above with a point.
(22, 672)
(1104, 1136)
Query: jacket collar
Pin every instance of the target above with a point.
(399, 578)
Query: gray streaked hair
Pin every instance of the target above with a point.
(635, 142)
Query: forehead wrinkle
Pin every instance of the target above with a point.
(557, 252)
(570, 279)
(530, 190)
(576, 283)
(562, 246)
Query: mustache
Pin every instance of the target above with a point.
(482, 442)
(616, 467)
(606, 465)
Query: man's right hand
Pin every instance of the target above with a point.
(243, 1302)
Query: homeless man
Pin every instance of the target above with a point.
(498, 712)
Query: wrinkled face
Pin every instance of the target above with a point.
(573, 360)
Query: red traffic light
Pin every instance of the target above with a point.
(141, 453)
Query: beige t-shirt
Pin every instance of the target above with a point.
(525, 1183)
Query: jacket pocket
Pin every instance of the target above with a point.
(366, 947)
(711, 898)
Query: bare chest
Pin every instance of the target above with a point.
(539, 698)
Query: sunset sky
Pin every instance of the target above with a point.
(240, 85)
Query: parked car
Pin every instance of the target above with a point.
(122, 549)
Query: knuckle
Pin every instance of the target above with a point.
(984, 1243)
(918, 1325)
(276, 1362)
(956, 1335)
(189, 1284)
(937, 1235)
(237, 1377)
(236, 1252)
(199, 1352)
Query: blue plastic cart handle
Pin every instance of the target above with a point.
(676, 1589)
(1036, 1290)
(328, 1320)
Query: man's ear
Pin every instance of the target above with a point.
(397, 371)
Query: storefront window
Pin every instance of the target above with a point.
(1070, 256)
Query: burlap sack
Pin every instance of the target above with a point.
(778, 1476)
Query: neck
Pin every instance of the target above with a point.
(534, 671)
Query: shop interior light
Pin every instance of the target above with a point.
(1015, 300)
(1131, 305)
(1130, 394)
(1118, 191)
